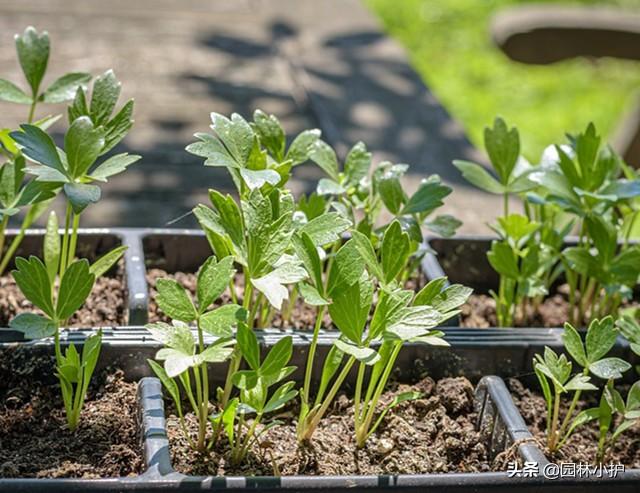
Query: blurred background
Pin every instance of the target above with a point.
(416, 80)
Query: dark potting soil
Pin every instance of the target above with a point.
(34, 438)
(433, 434)
(301, 317)
(105, 306)
(582, 446)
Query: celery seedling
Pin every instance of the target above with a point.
(38, 281)
(185, 358)
(400, 316)
(255, 398)
(555, 375)
(88, 137)
(16, 193)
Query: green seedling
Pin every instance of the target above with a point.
(400, 316)
(557, 379)
(38, 281)
(74, 169)
(16, 193)
(255, 399)
(185, 355)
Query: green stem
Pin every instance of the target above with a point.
(204, 402)
(3, 228)
(382, 383)
(553, 433)
(74, 239)
(65, 241)
(312, 354)
(357, 397)
(505, 204)
(317, 416)
(32, 109)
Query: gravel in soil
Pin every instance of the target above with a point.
(34, 439)
(105, 306)
(582, 446)
(433, 434)
(301, 317)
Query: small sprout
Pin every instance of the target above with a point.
(38, 281)
(186, 358)
(255, 397)
(556, 378)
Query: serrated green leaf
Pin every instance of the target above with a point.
(302, 148)
(12, 94)
(368, 254)
(280, 397)
(221, 321)
(248, 345)
(38, 146)
(75, 287)
(601, 336)
(114, 165)
(324, 156)
(307, 252)
(33, 280)
(346, 270)
(213, 279)
(33, 54)
(478, 176)
(503, 147)
(326, 228)
(82, 143)
(451, 298)
(426, 295)
(106, 91)
(174, 300)
(81, 195)
(444, 225)
(412, 322)
(427, 198)
(350, 308)
(65, 88)
(108, 260)
(33, 326)
(258, 178)
(574, 345)
(365, 355)
(311, 295)
(607, 368)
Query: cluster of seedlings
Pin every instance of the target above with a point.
(349, 250)
(580, 187)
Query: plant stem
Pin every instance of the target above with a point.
(13, 246)
(204, 401)
(553, 433)
(74, 239)
(65, 241)
(317, 416)
(32, 109)
(311, 355)
(505, 204)
(382, 383)
(3, 228)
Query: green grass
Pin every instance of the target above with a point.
(449, 44)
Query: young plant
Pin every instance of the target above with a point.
(401, 316)
(38, 281)
(254, 153)
(612, 405)
(255, 397)
(361, 191)
(17, 194)
(74, 169)
(555, 375)
(186, 357)
(585, 181)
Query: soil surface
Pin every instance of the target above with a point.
(301, 316)
(34, 438)
(433, 434)
(105, 306)
(480, 312)
(582, 446)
